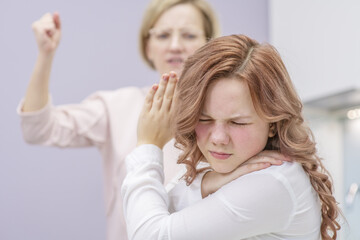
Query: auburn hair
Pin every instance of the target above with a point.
(274, 98)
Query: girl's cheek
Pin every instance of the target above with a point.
(201, 131)
(240, 135)
(249, 139)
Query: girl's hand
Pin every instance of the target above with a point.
(212, 180)
(47, 32)
(154, 126)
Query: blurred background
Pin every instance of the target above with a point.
(49, 193)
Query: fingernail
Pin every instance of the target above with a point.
(278, 161)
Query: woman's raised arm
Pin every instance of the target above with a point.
(47, 32)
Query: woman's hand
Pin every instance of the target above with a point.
(154, 126)
(47, 32)
(212, 180)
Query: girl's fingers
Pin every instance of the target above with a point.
(150, 97)
(274, 154)
(159, 95)
(245, 169)
(257, 166)
(169, 92)
(175, 98)
(272, 161)
(264, 159)
(248, 168)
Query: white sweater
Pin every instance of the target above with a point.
(276, 203)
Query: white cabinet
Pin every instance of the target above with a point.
(319, 42)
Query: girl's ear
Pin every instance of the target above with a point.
(272, 130)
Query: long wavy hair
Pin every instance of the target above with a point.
(274, 99)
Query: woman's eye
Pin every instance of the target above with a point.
(162, 36)
(189, 36)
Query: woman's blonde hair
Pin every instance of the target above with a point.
(274, 98)
(157, 7)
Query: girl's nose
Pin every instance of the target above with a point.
(219, 135)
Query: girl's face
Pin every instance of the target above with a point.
(175, 36)
(230, 131)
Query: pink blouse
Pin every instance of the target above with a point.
(107, 120)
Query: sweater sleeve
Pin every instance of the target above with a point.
(252, 205)
(74, 125)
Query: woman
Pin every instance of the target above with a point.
(234, 99)
(171, 31)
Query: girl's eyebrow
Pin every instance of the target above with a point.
(237, 117)
(241, 117)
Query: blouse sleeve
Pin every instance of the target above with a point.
(73, 125)
(252, 205)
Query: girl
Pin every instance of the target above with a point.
(234, 99)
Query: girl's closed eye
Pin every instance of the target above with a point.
(205, 120)
(240, 123)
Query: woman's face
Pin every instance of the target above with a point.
(230, 131)
(175, 36)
